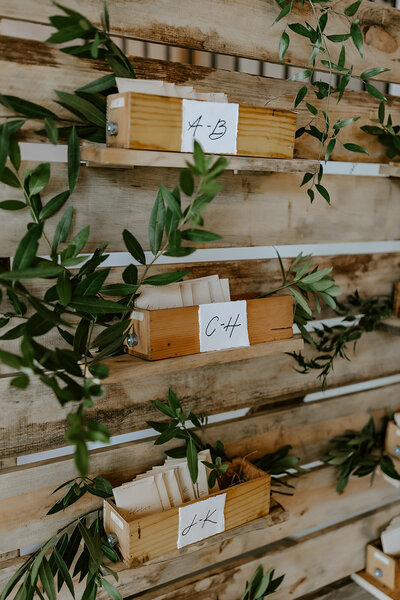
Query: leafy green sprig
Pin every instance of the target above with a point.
(360, 453)
(81, 552)
(327, 134)
(261, 585)
(387, 133)
(280, 463)
(78, 487)
(332, 342)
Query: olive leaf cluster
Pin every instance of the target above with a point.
(320, 126)
(77, 550)
(386, 133)
(261, 585)
(280, 463)
(360, 453)
(333, 341)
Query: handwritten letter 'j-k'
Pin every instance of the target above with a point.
(201, 519)
(213, 124)
(223, 325)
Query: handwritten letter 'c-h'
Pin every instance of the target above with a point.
(223, 325)
(201, 520)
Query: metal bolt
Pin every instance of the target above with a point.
(132, 339)
(378, 573)
(112, 539)
(112, 128)
(396, 450)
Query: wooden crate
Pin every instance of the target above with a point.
(383, 568)
(147, 122)
(142, 538)
(175, 331)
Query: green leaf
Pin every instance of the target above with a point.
(51, 130)
(313, 110)
(156, 224)
(100, 371)
(200, 235)
(192, 462)
(81, 457)
(300, 300)
(300, 95)
(53, 205)
(26, 251)
(186, 182)
(119, 289)
(81, 337)
(83, 107)
(64, 288)
(302, 75)
(9, 178)
(99, 85)
(133, 247)
(341, 37)
(381, 111)
(73, 159)
(323, 191)
(171, 201)
(46, 577)
(300, 30)
(96, 306)
(199, 158)
(90, 543)
(355, 148)
(14, 152)
(373, 91)
(283, 45)
(26, 108)
(39, 178)
(285, 10)
(130, 274)
(351, 10)
(21, 381)
(356, 33)
(62, 229)
(330, 148)
(110, 589)
(110, 334)
(12, 205)
(64, 571)
(90, 285)
(165, 278)
(369, 73)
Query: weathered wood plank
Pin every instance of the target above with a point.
(344, 588)
(32, 420)
(209, 26)
(262, 209)
(307, 427)
(309, 563)
(24, 64)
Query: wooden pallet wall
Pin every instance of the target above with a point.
(255, 210)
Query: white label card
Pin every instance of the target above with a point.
(201, 520)
(213, 124)
(223, 325)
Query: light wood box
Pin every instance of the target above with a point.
(143, 538)
(392, 440)
(383, 568)
(150, 122)
(173, 332)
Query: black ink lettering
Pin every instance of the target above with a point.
(219, 130)
(189, 527)
(195, 125)
(208, 519)
(209, 323)
(232, 327)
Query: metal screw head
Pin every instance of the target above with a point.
(112, 539)
(112, 128)
(396, 450)
(132, 339)
(378, 573)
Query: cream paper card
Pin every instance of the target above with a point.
(201, 520)
(213, 124)
(223, 325)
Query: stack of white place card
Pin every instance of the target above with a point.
(164, 88)
(390, 538)
(191, 292)
(164, 486)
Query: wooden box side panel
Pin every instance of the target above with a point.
(266, 132)
(392, 438)
(270, 319)
(118, 111)
(174, 332)
(141, 328)
(116, 525)
(376, 559)
(155, 122)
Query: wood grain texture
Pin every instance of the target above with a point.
(305, 562)
(375, 587)
(209, 26)
(25, 492)
(28, 424)
(23, 64)
(263, 209)
(344, 588)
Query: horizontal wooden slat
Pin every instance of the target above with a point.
(32, 421)
(252, 209)
(24, 64)
(208, 26)
(345, 588)
(308, 563)
(307, 427)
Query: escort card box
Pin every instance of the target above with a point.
(157, 334)
(382, 568)
(151, 122)
(143, 538)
